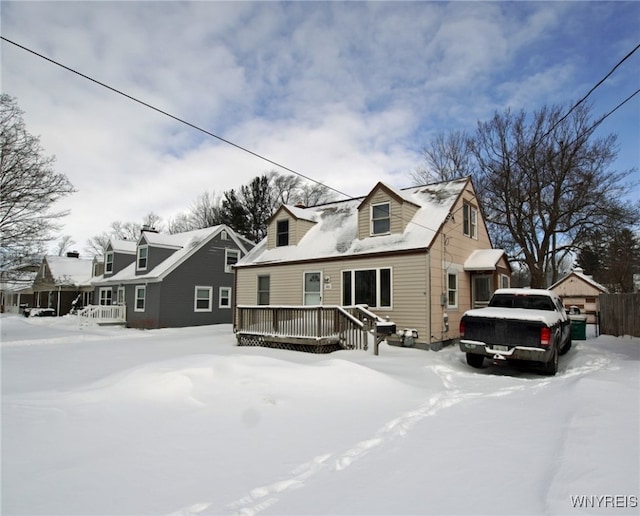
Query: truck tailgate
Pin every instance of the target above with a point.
(502, 331)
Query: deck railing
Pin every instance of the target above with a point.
(104, 313)
(349, 327)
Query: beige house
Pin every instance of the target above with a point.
(578, 289)
(418, 257)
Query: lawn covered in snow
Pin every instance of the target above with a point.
(114, 421)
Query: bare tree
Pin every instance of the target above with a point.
(446, 157)
(123, 231)
(64, 244)
(30, 187)
(545, 183)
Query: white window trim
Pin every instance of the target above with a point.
(473, 220)
(139, 288)
(504, 277)
(378, 289)
(146, 263)
(108, 263)
(195, 299)
(372, 232)
(105, 290)
(258, 291)
(228, 291)
(456, 290)
(118, 296)
(227, 251)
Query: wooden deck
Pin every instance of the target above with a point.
(315, 329)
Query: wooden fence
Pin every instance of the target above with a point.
(620, 314)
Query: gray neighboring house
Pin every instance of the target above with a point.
(171, 281)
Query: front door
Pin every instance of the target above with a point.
(312, 288)
(481, 291)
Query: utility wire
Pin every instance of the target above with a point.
(259, 156)
(182, 121)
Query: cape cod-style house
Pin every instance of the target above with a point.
(162, 280)
(62, 282)
(417, 257)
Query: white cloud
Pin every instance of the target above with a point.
(346, 93)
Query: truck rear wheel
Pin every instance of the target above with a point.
(475, 360)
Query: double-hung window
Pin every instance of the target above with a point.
(120, 296)
(224, 299)
(282, 233)
(143, 252)
(380, 218)
(370, 287)
(452, 290)
(231, 257)
(140, 298)
(108, 262)
(263, 290)
(105, 296)
(469, 220)
(203, 299)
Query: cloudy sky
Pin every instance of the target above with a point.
(344, 92)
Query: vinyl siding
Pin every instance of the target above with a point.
(409, 285)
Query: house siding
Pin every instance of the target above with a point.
(409, 283)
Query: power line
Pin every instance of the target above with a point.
(178, 119)
(268, 160)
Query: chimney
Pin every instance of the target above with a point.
(149, 229)
(73, 254)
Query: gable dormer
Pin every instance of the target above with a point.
(152, 249)
(385, 211)
(288, 225)
(117, 255)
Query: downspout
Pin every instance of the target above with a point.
(58, 305)
(429, 300)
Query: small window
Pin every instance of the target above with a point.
(452, 290)
(504, 281)
(263, 290)
(282, 233)
(108, 262)
(120, 296)
(380, 219)
(470, 221)
(141, 296)
(203, 299)
(231, 257)
(224, 235)
(105, 296)
(143, 252)
(225, 297)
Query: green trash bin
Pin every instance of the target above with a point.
(578, 328)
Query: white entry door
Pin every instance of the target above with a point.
(312, 288)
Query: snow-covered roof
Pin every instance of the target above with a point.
(123, 246)
(70, 271)
(186, 244)
(483, 260)
(579, 273)
(335, 233)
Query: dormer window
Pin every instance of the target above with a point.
(282, 233)
(108, 262)
(143, 252)
(380, 218)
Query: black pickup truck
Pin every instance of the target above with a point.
(518, 325)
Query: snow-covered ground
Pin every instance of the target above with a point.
(116, 421)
